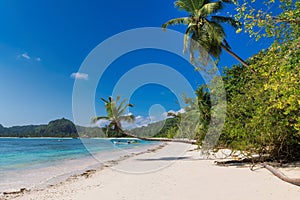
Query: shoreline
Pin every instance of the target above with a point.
(83, 172)
(172, 171)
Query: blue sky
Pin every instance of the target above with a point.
(42, 43)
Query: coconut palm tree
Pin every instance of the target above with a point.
(204, 27)
(115, 114)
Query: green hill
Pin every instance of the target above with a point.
(56, 128)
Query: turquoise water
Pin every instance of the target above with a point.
(34, 162)
(28, 153)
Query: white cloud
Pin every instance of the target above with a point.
(138, 117)
(128, 114)
(81, 76)
(102, 123)
(25, 56)
(175, 112)
(180, 111)
(139, 121)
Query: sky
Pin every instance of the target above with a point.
(43, 44)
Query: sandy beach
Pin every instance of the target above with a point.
(175, 171)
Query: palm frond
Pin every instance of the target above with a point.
(216, 36)
(187, 34)
(216, 31)
(122, 110)
(118, 98)
(201, 3)
(187, 5)
(104, 100)
(228, 20)
(229, 1)
(114, 109)
(226, 44)
(121, 106)
(175, 21)
(209, 8)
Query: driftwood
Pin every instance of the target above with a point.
(276, 172)
(280, 175)
(21, 191)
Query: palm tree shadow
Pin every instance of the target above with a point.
(166, 158)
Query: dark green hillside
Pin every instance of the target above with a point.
(56, 128)
(166, 129)
(2, 129)
(62, 127)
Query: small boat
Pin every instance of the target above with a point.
(122, 142)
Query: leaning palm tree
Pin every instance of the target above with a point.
(115, 114)
(204, 28)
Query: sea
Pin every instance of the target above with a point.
(37, 162)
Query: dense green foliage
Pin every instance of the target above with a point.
(263, 110)
(261, 22)
(264, 107)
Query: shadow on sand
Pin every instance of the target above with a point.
(166, 158)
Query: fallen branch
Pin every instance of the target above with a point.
(280, 175)
(21, 191)
(276, 172)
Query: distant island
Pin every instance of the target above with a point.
(56, 128)
(66, 128)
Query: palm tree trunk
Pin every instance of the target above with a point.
(235, 56)
(187, 141)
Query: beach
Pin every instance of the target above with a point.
(172, 171)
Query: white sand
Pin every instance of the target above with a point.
(159, 176)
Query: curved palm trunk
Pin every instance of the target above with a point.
(234, 55)
(187, 141)
(280, 175)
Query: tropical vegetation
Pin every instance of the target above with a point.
(263, 106)
(115, 115)
(205, 33)
(267, 121)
